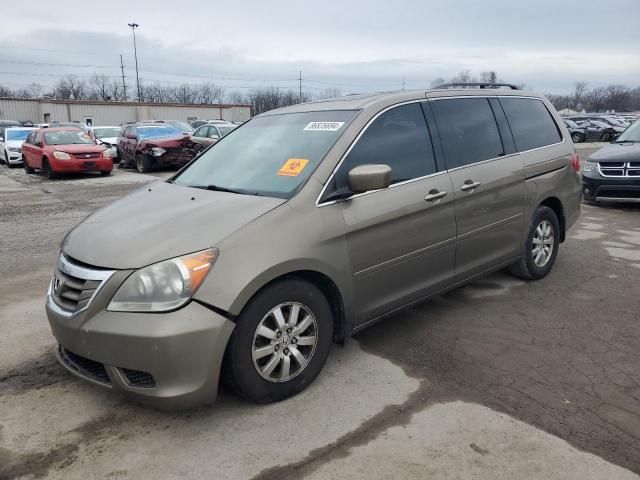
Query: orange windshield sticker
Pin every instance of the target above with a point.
(293, 167)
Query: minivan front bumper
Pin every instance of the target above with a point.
(170, 361)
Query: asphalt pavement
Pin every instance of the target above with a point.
(498, 379)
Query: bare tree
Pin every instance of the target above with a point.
(329, 93)
(437, 81)
(577, 95)
(35, 90)
(464, 77)
(617, 97)
(70, 87)
(236, 97)
(100, 86)
(596, 99)
(489, 77)
(209, 93)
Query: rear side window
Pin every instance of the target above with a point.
(468, 130)
(398, 138)
(531, 123)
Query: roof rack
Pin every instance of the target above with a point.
(476, 84)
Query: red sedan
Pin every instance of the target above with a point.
(64, 150)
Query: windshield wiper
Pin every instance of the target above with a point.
(217, 188)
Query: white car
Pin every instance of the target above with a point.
(107, 136)
(11, 140)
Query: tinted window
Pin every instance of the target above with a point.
(201, 132)
(398, 138)
(531, 123)
(468, 130)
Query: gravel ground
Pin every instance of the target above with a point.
(498, 379)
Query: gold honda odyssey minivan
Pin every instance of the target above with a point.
(303, 226)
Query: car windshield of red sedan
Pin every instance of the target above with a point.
(157, 131)
(67, 137)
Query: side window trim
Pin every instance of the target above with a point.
(506, 135)
(320, 202)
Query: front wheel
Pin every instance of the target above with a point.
(280, 343)
(48, 171)
(144, 163)
(541, 246)
(577, 137)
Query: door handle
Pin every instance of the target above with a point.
(434, 195)
(469, 185)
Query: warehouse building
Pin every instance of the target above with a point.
(115, 113)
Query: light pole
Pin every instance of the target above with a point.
(135, 54)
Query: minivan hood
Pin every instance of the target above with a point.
(617, 152)
(161, 221)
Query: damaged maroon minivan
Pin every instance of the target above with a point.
(147, 146)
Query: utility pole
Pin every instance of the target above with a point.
(135, 53)
(402, 83)
(124, 85)
(300, 86)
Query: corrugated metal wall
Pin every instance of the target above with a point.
(115, 113)
(19, 110)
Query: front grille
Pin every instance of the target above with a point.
(73, 293)
(619, 169)
(86, 156)
(85, 367)
(135, 378)
(74, 285)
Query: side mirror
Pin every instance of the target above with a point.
(369, 177)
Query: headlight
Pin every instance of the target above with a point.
(165, 285)
(108, 153)
(61, 155)
(589, 166)
(15, 149)
(157, 151)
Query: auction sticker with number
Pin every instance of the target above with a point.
(293, 167)
(324, 126)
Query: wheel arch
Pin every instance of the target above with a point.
(555, 204)
(341, 325)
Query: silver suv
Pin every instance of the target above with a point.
(303, 226)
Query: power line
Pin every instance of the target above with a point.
(47, 64)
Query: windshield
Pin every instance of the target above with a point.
(270, 155)
(157, 131)
(184, 127)
(225, 130)
(106, 132)
(631, 134)
(67, 137)
(18, 134)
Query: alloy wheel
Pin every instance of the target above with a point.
(543, 243)
(284, 342)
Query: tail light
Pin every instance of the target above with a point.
(575, 162)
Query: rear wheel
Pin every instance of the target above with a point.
(48, 171)
(105, 173)
(577, 137)
(144, 163)
(280, 343)
(541, 246)
(26, 166)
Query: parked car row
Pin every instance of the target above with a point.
(141, 145)
(596, 128)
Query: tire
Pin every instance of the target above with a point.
(106, 173)
(577, 137)
(544, 227)
(48, 171)
(144, 163)
(26, 166)
(240, 371)
(5, 160)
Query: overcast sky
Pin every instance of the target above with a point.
(353, 45)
